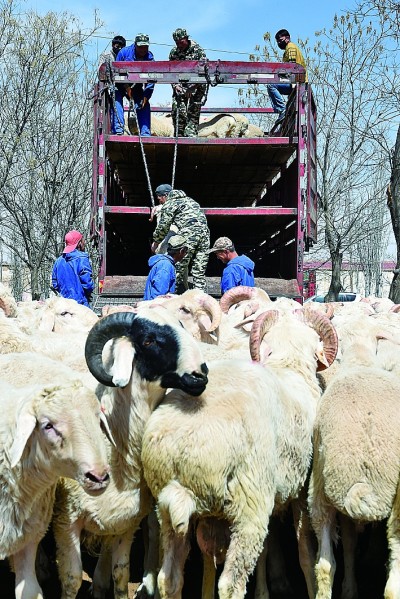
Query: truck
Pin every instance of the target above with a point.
(261, 192)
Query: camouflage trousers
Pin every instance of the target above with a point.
(195, 261)
(186, 112)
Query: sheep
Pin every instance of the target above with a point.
(58, 314)
(45, 432)
(7, 301)
(228, 125)
(239, 449)
(356, 464)
(161, 126)
(151, 351)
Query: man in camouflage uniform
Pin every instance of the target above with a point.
(190, 220)
(187, 97)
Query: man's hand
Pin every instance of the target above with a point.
(154, 246)
(142, 103)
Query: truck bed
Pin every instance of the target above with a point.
(214, 172)
(260, 192)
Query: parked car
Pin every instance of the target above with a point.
(346, 296)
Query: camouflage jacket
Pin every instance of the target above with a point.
(182, 211)
(192, 52)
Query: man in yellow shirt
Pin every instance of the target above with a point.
(277, 91)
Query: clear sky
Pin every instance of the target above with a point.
(227, 29)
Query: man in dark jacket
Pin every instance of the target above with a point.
(72, 272)
(238, 269)
(140, 93)
(161, 279)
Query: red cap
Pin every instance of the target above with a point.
(71, 241)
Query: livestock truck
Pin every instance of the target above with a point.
(259, 191)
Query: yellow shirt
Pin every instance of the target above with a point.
(293, 54)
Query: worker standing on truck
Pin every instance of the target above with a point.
(162, 277)
(140, 93)
(276, 91)
(191, 223)
(117, 43)
(187, 98)
(72, 272)
(239, 270)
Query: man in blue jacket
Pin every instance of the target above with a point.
(238, 269)
(161, 278)
(72, 272)
(140, 93)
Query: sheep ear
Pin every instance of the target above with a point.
(123, 354)
(106, 429)
(25, 427)
(47, 321)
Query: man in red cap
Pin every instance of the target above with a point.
(72, 272)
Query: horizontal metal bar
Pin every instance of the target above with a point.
(259, 211)
(195, 71)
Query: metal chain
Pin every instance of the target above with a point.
(110, 85)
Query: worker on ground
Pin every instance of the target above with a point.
(276, 91)
(187, 98)
(239, 270)
(162, 277)
(72, 272)
(190, 221)
(140, 93)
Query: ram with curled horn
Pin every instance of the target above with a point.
(254, 425)
(135, 358)
(319, 322)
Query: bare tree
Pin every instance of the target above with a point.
(393, 200)
(354, 74)
(45, 150)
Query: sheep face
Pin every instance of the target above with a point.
(58, 434)
(62, 314)
(153, 344)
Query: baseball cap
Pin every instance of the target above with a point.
(179, 34)
(220, 244)
(71, 241)
(176, 242)
(163, 189)
(142, 39)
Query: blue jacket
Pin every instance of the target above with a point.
(72, 276)
(161, 279)
(128, 54)
(238, 271)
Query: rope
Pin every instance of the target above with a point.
(175, 149)
(132, 105)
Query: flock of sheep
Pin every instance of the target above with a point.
(210, 418)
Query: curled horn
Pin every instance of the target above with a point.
(395, 308)
(260, 327)
(327, 332)
(212, 307)
(108, 327)
(234, 296)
